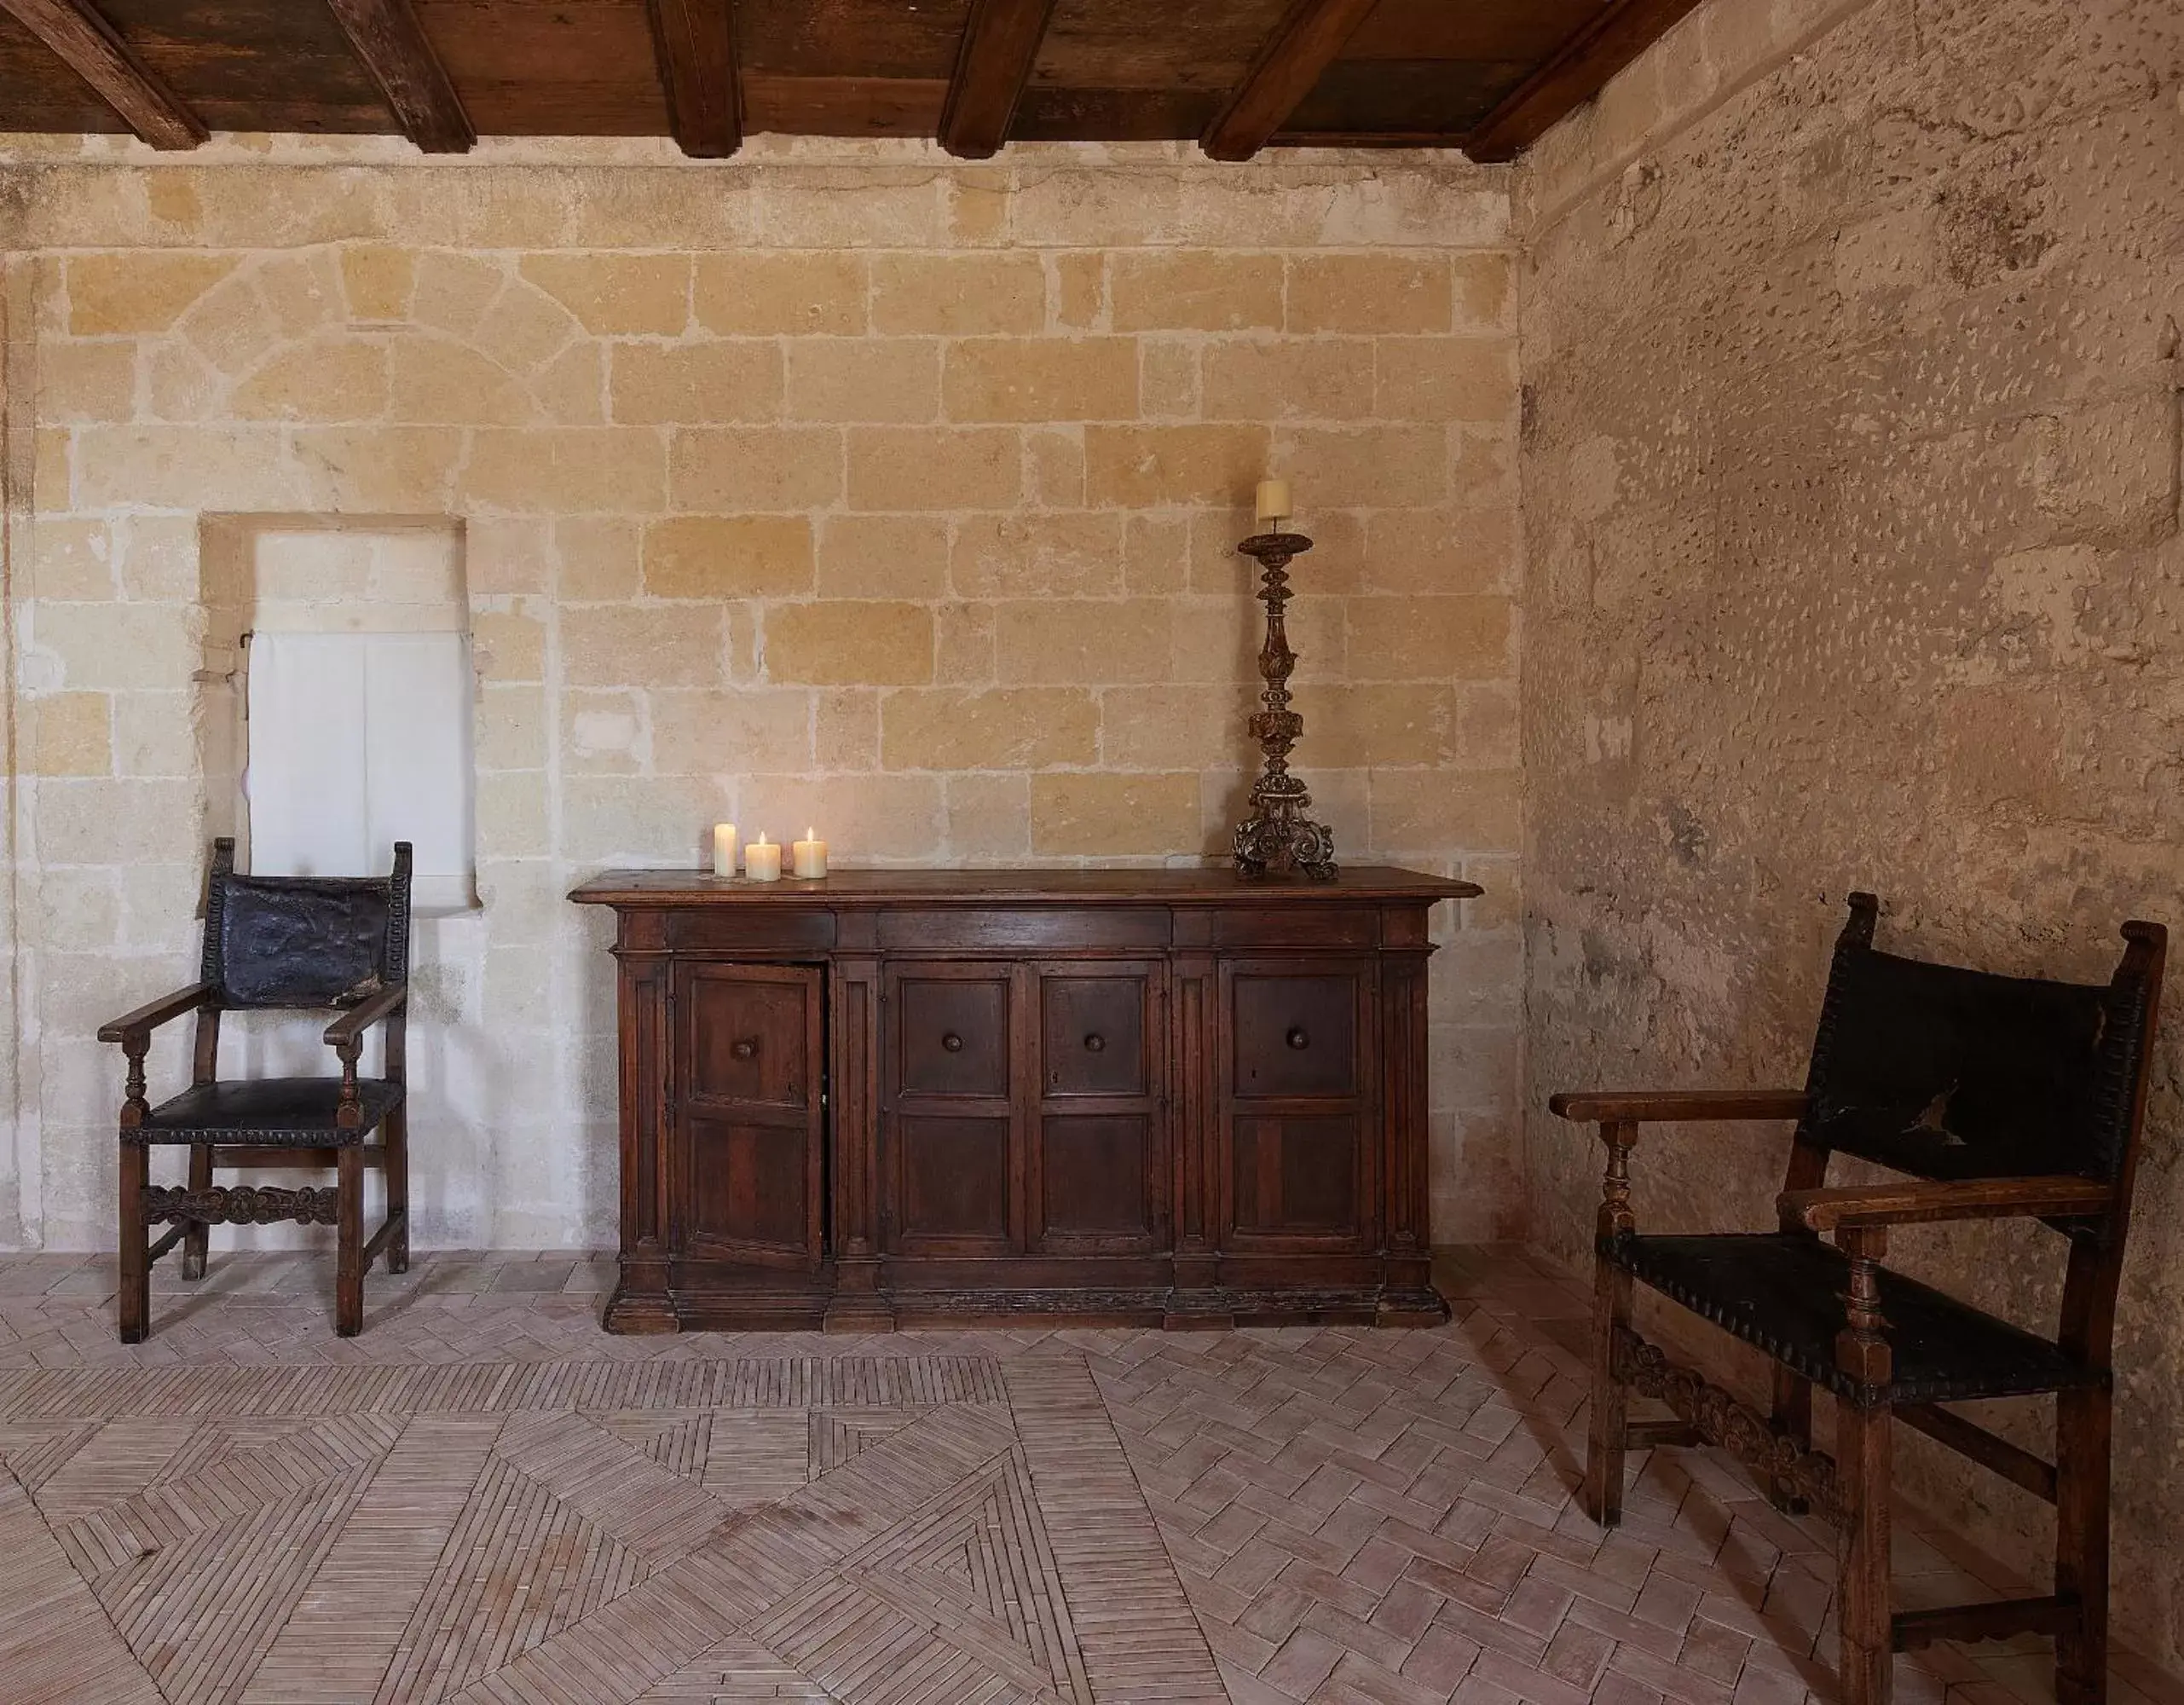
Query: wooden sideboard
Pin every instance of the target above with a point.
(1149, 1097)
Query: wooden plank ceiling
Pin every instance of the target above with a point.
(1483, 76)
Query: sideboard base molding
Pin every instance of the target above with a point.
(755, 1309)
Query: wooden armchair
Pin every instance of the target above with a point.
(1999, 1097)
(277, 943)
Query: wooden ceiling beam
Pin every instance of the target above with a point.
(395, 49)
(1289, 62)
(696, 44)
(95, 50)
(1000, 43)
(1625, 29)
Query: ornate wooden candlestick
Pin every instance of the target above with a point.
(1278, 840)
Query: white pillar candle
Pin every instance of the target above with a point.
(811, 855)
(1274, 501)
(762, 862)
(723, 849)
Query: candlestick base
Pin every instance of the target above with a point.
(1285, 844)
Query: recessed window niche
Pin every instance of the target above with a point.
(338, 692)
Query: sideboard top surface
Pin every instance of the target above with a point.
(1205, 886)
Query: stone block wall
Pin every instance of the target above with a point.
(1850, 488)
(845, 485)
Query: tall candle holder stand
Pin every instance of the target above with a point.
(1278, 841)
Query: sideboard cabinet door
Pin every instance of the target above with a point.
(951, 1059)
(1298, 1135)
(748, 1128)
(1098, 1163)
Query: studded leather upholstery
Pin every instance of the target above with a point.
(1784, 1293)
(277, 1111)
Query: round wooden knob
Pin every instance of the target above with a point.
(952, 1042)
(747, 1049)
(1095, 1043)
(1299, 1039)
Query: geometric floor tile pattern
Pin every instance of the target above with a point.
(485, 1500)
(954, 1527)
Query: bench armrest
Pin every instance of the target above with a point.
(1663, 1107)
(139, 1025)
(348, 1031)
(1974, 1198)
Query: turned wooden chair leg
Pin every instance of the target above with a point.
(199, 1235)
(1603, 1456)
(348, 1217)
(2082, 1454)
(133, 1301)
(396, 1139)
(1792, 1418)
(1861, 1459)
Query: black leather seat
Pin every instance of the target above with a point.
(292, 1110)
(1784, 1293)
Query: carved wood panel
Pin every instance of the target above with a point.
(1092, 1034)
(748, 1040)
(1299, 1128)
(955, 1185)
(1296, 1174)
(1098, 1176)
(1295, 1035)
(746, 1127)
(952, 1033)
(956, 1064)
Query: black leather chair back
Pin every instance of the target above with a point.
(304, 941)
(1948, 1073)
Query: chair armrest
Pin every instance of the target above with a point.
(147, 1019)
(348, 1030)
(1660, 1107)
(1975, 1199)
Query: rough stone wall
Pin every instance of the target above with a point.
(1850, 485)
(845, 485)
(13, 526)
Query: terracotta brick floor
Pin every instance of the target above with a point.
(485, 1499)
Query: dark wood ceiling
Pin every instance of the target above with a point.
(1484, 76)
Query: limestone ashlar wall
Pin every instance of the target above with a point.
(849, 488)
(1850, 481)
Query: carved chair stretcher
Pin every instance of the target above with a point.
(279, 944)
(2000, 1098)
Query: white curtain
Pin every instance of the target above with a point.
(358, 741)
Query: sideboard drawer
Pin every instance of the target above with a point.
(748, 1040)
(1296, 1035)
(1092, 1033)
(951, 1033)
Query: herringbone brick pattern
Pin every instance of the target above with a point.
(1392, 1518)
(486, 1499)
